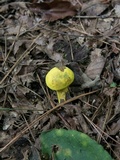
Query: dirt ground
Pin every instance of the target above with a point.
(35, 36)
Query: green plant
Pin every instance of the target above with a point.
(113, 85)
(61, 144)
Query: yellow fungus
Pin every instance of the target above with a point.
(59, 79)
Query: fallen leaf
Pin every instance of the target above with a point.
(54, 10)
(9, 120)
(117, 105)
(15, 30)
(110, 92)
(5, 8)
(4, 137)
(116, 68)
(115, 128)
(114, 48)
(34, 154)
(17, 45)
(104, 25)
(114, 2)
(95, 68)
(117, 10)
(94, 7)
(48, 49)
(105, 1)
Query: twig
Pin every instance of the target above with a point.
(97, 17)
(100, 131)
(20, 59)
(41, 117)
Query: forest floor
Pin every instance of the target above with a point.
(36, 36)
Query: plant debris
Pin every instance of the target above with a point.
(53, 10)
(36, 36)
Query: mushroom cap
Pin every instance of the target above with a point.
(58, 79)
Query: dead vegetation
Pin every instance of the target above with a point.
(34, 37)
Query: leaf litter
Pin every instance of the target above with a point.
(34, 37)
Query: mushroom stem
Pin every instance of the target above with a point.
(61, 94)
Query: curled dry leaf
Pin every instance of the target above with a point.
(54, 10)
(95, 68)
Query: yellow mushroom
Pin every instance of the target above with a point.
(59, 79)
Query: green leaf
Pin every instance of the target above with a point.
(113, 84)
(64, 144)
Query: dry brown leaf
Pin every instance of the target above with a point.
(54, 10)
(117, 105)
(5, 8)
(110, 92)
(9, 120)
(105, 1)
(95, 68)
(114, 48)
(34, 153)
(115, 128)
(115, 2)
(15, 29)
(22, 90)
(104, 25)
(116, 68)
(94, 7)
(117, 10)
(48, 49)
(17, 45)
(4, 138)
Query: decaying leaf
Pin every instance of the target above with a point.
(105, 1)
(29, 47)
(104, 25)
(21, 5)
(114, 48)
(94, 7)
(9, 120)
(4, 137)
(48, 49)
(115, 128)
(54, 10)
(34, 154)
(110, 92)
(117, 10)
(95, 68)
